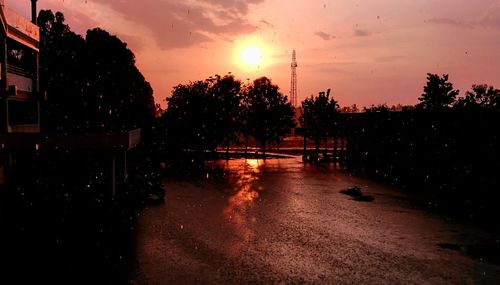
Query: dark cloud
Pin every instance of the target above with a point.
(324, 35)
(361, 33)
(266, 24)
(176, 24)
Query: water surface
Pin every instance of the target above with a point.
(285, 221)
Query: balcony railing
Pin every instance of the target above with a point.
(24, 128)
(18, 71)
(21, 83)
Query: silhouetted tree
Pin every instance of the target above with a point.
(318, 117)
(119, 96)
(244, 123)
(481, 96)
(191, 117)
(269, 114)
(438, 93)
(227, 93)
(376, 109)
(350, 109)
(93, 83)
(203, 114)
(62, 73)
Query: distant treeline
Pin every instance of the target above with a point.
(452, 157)
(446, 148)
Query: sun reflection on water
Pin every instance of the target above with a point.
(246, 193)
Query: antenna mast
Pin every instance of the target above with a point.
(293, 83)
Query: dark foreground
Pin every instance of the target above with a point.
(284, 221)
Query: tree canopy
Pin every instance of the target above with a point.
(190, 117)
(438, 93)
(228, 96)
(204, 114)
(318, 116)
(481, 96)
(269, 114)
(92, 84)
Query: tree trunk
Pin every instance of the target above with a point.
(317, 143)
(304, 156)
(335, 152)
(325, 152)
(246, 145)
(264, 148)
(342, 150)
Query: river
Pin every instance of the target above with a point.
(282, 221)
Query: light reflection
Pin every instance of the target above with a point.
(254, 164)
(246, 193)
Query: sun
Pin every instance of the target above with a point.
(251, 56)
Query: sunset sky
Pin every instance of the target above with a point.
(366, 51)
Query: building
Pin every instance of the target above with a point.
(19, 94)
(20, 99)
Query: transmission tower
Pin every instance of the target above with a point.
(293, 83)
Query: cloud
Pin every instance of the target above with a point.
(491, 19)
(330, 70)
(133, 42)
(332, 67)
(177, 24)
(387, 59)
(162, 70)
(79, 21)
(235, 6)
(324, 36)
(450, 22)
(361, 33)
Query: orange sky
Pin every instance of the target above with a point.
(366, 51)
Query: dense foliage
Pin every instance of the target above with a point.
(446, 148)
(57, 204)
(269, 114)
(438, 93)
(92, 84)
(318, 118)
(203, 115)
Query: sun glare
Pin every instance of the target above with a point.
(252, 56)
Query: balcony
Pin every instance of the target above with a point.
(24, 128)
(20, 82)
(21, 29)
(21, 116)
(37, 141)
